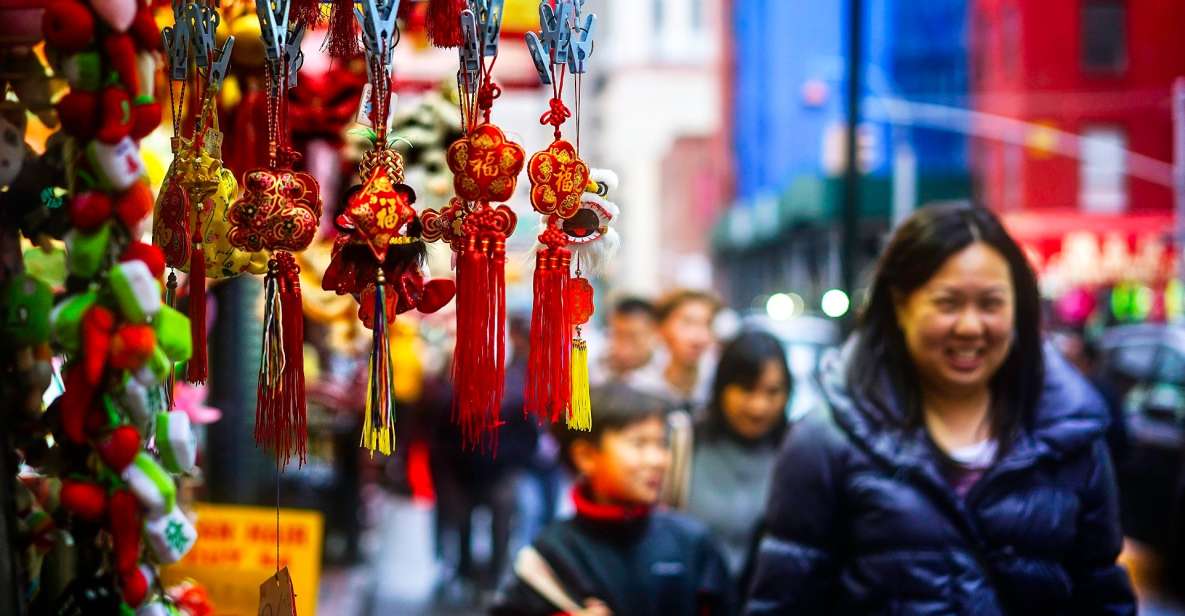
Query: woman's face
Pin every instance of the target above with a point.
(753, 412)
(958, 326)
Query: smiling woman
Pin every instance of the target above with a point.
(956, 466)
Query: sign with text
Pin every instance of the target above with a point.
(236, 552)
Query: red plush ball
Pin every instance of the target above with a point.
(145, 118)
(79, 113)
(133, 204)
(132, 346)
(134, 587)
(117, 448)
(149, 254)
(68, 25)
(145, 31)
(121, 55)
(84, 499)
(115, 118)
(89, 210)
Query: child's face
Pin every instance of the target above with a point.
(628, 464)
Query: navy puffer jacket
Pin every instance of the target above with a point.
(860, 520)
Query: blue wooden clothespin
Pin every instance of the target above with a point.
(539, 56)
(554, 30)
(175, 39)
(293, 53)
(203, 24)
(582, 44)
(489, 18)
(218, 69)
(273, 25)
(378, 29)
(470, 50)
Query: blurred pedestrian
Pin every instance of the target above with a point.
(632, 341)
(1083, 354)
(959, 467)
(491, 478)
(619, 555)
(681, 374)
(724, 481)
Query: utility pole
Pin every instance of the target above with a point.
(850, 212)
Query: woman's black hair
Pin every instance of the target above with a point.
(918, 249)
(741, 362)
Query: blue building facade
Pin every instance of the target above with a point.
(788, 119)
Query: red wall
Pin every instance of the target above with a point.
(1031, 70)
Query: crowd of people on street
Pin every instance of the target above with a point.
(956, 463)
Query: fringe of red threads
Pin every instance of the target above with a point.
(307, 12)
(479, 359)
(281, 423)
(444, 22)
(197, 370)
(342, 39)
(549, 372)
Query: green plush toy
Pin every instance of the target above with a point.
(172, 334)
(66, 317)
(85, 251)
(26, 303)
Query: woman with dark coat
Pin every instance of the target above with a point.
(959, 467)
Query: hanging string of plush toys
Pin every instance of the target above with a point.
(485, 168)
(279, 211)
(557, 366)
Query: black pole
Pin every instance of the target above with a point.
(850, 213)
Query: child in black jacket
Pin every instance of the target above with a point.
(619, 555)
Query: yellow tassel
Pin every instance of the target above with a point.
(580, 415)
(378, 424)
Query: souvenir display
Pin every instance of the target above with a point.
(557, 373)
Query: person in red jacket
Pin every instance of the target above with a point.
(619, 555)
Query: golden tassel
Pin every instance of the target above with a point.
(580, 412)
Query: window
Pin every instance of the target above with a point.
(1103, 167)
(1104, 36)
(657, 13)
(697, 15)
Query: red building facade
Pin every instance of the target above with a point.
(1090, 82)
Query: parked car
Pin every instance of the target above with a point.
(1146, 364)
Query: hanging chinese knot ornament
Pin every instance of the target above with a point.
(279, 212)
(485, 168)
(557, 366)
(190, 218)
(378, 257)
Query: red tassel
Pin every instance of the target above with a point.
(280, 417)
(444, 22)
(549, 373)
(342, 39)
(470, 408)
(197, 370)
(307, 12)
